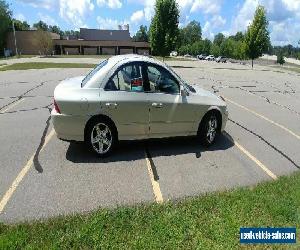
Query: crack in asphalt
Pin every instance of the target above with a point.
(28, 96)
(36, 162)
(22, 95)
(26, 110)
(216, 89)
(267, 142)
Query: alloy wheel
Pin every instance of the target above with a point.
(101, 138)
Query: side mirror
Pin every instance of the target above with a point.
(183, 91)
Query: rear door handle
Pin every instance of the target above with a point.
(157, 105)
(111, 104)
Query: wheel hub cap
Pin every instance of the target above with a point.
(101, 138)
(212, 129)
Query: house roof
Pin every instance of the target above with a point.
(104, 35)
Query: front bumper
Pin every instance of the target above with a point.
(69, 127)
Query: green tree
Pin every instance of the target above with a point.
(164, 27)
(215, 50)
(206, 46)
(40, 25)
(19, 25)
(56, 29)
(5, 23)
(141, 35)
(280, 58)
(239, 36)
(219, 38)
(74, 33)
(44, 42)
(191, 33)
(257, 37)
(227, 48)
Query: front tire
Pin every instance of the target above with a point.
(208, 130)
(101, 137)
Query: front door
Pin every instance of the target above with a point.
(125, 102)
(170, 113)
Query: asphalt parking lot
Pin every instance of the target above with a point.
(42, 176)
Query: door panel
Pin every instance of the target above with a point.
(170, 115)
(125, 102)
(129, 111)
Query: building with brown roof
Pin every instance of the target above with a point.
(90, 42)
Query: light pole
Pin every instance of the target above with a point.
(13, 24)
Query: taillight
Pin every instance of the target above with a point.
(56, 106)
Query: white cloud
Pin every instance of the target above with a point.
(113, 4)
(207, 31)
(207, 6)
(283, 15)
(108, 23)
(74, 11)
(46, 4)
(20, 17)
(218, 21)
(47, 19)
(137, 16)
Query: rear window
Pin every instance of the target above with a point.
(93, 72)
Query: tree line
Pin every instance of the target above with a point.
(165, 35)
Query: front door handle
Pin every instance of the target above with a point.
(157, 105)
(111, 104)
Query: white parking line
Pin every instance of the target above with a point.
(253, 158)
(155, 184)
(265, 118)
(21, 175)
(11, 106)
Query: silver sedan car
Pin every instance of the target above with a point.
(133, 97)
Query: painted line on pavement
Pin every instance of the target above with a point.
(154, 182)
(253, 158)
(11, 106)
(265, 118)
(5, 199)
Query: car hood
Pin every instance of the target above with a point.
(214, 99)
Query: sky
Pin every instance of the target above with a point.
(226, 16)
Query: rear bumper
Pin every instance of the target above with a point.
(69, 127)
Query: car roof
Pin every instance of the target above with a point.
(132, 58)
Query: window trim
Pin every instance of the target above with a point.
(157, 66)
(141, 64)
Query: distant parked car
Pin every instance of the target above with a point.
(221, 59)
(210, 58)
(187, 55)
(201, 57)
(174, 53)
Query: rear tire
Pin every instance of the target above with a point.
(209, 129)
(101, 137)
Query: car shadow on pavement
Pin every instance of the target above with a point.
(136, 150)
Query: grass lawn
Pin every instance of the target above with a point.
(43, 65)
(211, 221)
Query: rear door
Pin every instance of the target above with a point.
(126, 102)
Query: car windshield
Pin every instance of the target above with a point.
(93, 72)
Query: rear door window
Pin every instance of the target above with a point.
(127, 78)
